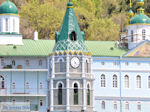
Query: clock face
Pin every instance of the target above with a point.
(75, 62)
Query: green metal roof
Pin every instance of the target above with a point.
(104, 48)
(63, 37)
(44, 48)
(140, 18)
(8, 8)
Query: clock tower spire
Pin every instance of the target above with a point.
(70, 84)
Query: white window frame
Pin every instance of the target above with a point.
(143, 34)
(115, 81)
(103, 105)
(103, 80)
(126, 81)
(138, 81)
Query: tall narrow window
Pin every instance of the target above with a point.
(115, 105)
(103, 105)
(14, 25)
(132, 37)
(60, 94)
(127, 106)
(6, 24)
(27, 85)
(13, 62)
(2, 82)
(0, 25)
(126, 81)
(138, 81)
(103, 81)
(143, 34)
(13, 85)
(27, 62)
(61, 65)
(41, 102)
(87, 66)
(148, 81)
(73, 36)
(75, 93)
(2, 62)
(115, 81)
(138, 106)
(41, 85)
(88, 94)
(40, 62)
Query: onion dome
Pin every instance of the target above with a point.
(140, 18)
(131, 13)
(8, 8)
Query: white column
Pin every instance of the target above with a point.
(67, 85)
(84, 84)
(51, 85)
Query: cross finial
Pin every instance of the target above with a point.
(69, 0)
(130, 3)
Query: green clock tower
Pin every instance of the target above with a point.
(70, 84)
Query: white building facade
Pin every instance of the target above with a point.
(73, 75)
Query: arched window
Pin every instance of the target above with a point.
(40, 62)
(27, 85)
(103, 81)
(27, 62)
(13, 85)
(73, 36)
(103, 105)
(60, 94)
(13, 62)
(127, 106)
(88, 94)
(132, 37)
(41, 102)
(41, 85)
(143, 34)
(139, 106)
(2, 82)
(6, 24)
(75, 93)
(126, 81)
(148, 81)
(61, 65)
(138, 81)
(115, 85)
(115, 105)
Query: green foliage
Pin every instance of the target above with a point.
(99, 19)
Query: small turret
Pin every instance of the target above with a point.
(131, 13)
(140, 3)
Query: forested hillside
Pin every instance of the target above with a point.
(99, 19)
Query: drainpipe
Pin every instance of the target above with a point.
(120, 83)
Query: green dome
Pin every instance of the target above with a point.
(140, 0)
(140, 18)
(8, 8)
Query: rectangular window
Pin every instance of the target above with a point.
(0, 25)
(14, 25)
(6, 25)
(2, 62)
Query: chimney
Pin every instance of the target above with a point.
(35, 35)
